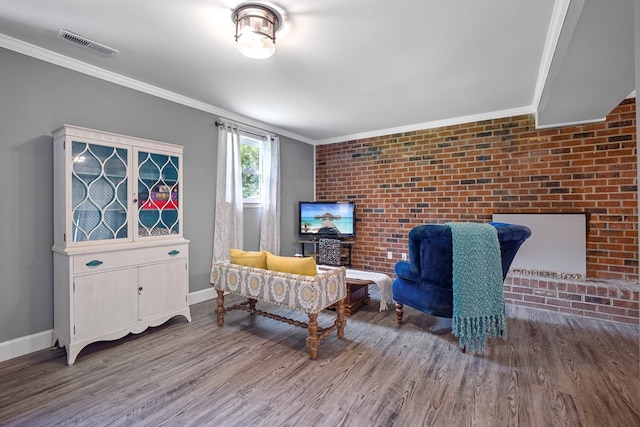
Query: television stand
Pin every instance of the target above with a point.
(345, 254)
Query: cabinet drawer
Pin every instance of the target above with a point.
(101, 261)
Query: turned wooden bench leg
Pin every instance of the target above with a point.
(399, 313)
(340, 322)
(220, 311)
(313, 340)
(314, 336)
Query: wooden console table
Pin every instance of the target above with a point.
(358, 282)
(357, 295)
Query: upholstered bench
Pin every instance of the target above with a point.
(308, 294)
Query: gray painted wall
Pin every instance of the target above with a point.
(35, 98)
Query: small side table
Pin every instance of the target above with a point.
(357, 295)
(358, 282)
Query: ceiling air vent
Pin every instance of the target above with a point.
(85, 42)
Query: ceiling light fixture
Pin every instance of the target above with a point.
(256, 26)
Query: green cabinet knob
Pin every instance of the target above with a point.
(94, 263)
(174, 252)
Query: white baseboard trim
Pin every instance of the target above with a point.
(203, 295)
(25, 345)
(39, 341)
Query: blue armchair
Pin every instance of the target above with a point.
(425, 282)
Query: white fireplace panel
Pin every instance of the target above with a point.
(557, 243)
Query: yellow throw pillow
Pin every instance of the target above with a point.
(288, 264)
(249, 258)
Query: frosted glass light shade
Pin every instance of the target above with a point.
(256, 27)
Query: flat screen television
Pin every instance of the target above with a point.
(327, 219)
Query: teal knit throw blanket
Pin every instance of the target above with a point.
(478, 299)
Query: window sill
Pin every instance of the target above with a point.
(253, 205)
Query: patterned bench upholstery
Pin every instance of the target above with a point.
(308, 294)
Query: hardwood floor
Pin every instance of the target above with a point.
(553, 369)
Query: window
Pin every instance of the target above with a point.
(251, 162)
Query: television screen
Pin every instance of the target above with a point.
(327, 219)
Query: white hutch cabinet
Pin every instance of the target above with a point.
(121, 263)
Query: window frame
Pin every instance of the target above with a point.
(254, 141)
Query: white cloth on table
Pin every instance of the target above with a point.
(381, 280)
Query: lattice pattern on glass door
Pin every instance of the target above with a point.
(158, 194)
(99, 192)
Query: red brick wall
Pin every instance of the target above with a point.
(467, 172)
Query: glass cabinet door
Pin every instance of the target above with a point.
(99, 192)
(158, 194)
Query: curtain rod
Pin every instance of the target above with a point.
(242, 127)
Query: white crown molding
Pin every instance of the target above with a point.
(100, 73)
(558, 17)
(431, 125)
(569, 124)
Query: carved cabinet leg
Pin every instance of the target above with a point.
(313, 340)
(220, 311)
(399, 313)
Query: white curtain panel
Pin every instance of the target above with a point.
(270, 225)
(228, 215)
